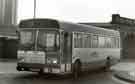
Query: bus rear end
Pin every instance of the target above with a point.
(39, 49)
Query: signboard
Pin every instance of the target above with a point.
(116, 19)
(31, 56)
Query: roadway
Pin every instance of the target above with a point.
(9, 75)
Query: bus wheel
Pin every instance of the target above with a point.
(19, 68)
(41, 72)
(76, 69)
(108, 63)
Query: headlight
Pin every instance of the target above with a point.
(20, 54)
(52, 60)
(55, 61)
(22, 60)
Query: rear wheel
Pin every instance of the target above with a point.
(76, 69)
(108, 63)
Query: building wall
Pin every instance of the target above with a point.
(8, 48)
(1, 11)
(128, 44)
(8, 11)
(8, 27)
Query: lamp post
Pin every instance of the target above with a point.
(35, 5)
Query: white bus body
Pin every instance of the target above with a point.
(52, 46)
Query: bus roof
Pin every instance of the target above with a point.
(66, 26)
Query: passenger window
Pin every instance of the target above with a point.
(101, 42)
(57, 40)
(119, 43)
(107, 42)
(89, 40)
(75, 41)
(80, 40)
(115, 42)
(86, 41)
(94, 41)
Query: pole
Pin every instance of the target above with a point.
(35, 5)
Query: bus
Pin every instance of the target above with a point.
(53, 46)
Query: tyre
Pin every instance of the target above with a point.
(18, 68)
(41, 72)
(107, 64)
(76, 69)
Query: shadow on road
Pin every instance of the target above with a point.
(92, 77)
(48, 76)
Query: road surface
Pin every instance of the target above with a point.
(9, 75)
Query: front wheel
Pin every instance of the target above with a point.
(41, 72)
(76, 69)
(18, 68)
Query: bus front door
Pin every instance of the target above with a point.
(67, 48)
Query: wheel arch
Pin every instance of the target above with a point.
(77, 59)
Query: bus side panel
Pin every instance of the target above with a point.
(93, 58)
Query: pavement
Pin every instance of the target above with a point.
(125, 70)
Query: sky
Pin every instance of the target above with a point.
(76, 10)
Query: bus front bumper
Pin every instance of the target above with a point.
(47, 68)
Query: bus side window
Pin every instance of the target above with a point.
(89, 41)
(75, 40)
(108, 42)
(111, 42)
(119, 40)
(101, 42)
(80, 40)
(85, 41)
(115, 43)
(94, 41)
(57, 41)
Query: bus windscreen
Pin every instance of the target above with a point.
(48, 40)
(27, 38)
